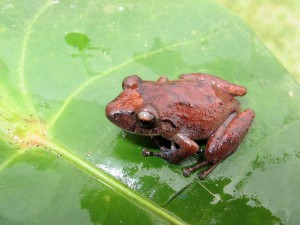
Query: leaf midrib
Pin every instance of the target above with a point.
(79, 163)
(100, 176)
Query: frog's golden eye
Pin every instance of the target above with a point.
(131, 82)
(146, 119)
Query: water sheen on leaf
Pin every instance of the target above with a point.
(63, 162)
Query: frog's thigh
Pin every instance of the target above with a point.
(187, 146)
(228, 137)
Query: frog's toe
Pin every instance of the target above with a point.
(146, 152)
(187, 171)
(164, 149)
(166, 155)
(202, 175)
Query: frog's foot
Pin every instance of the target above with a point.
(187, 171)
(206, 172)
(146, 152)
(166, 154)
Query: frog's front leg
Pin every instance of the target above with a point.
(187, 147)
(162, 144)
(224, 141)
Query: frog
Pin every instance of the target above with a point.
(195, 107)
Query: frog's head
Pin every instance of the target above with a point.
(129, 111)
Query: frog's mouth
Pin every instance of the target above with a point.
(124, 120)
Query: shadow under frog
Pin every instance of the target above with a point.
(194, 107)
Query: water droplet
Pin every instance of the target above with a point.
(216, 199)
(121, 8)
(16, 138)
(104, 50)
(152, 193)
(55, 1)
(77, 40)
(146, 43)
(74, 55)
(43, 106)
(123, 133)
(8, 6)
(89, 156)
(107, 198)
(291, 93)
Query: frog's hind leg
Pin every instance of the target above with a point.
(230, 88)
(187, 171)
(224, 141)
(218, 134)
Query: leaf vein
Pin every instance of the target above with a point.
(24, 47)
(125, 63)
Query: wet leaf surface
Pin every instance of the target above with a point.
(62, 162)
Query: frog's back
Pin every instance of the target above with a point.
(198, 107)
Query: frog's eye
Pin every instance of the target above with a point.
(146, 119)
(131, 82)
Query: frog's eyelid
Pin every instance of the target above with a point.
(146, 119)
(145, 116)
(131, 82)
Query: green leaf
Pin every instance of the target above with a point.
(63, 162)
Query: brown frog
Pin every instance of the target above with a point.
(194, 107)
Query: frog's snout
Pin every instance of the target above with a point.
(111, 113)
(108, 110)
(123, 119)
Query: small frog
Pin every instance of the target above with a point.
(194, 107)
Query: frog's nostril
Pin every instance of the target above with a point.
(115, 115)
(110, 111)
(112, 115)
